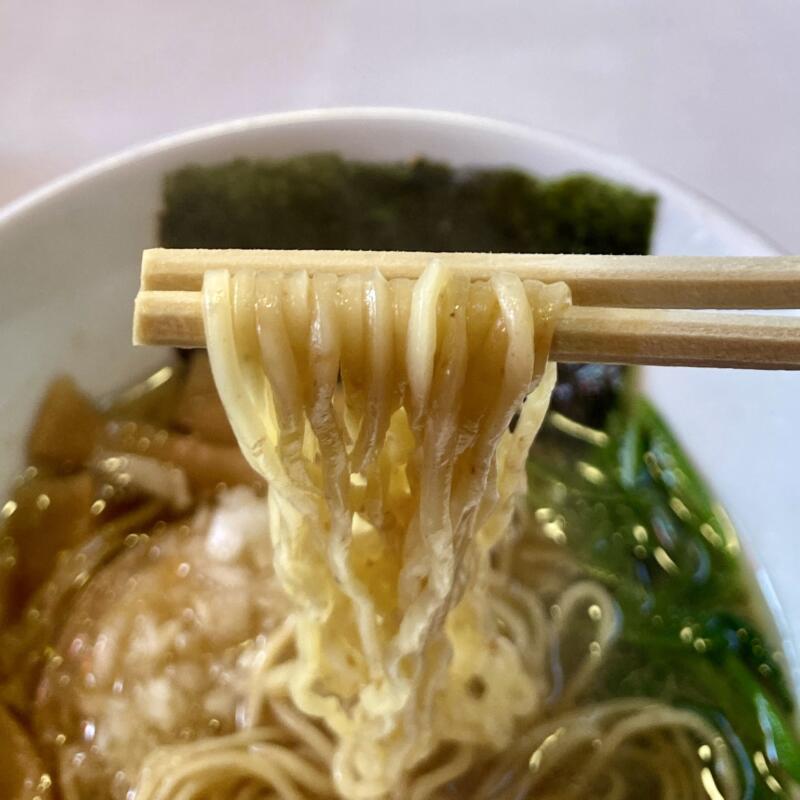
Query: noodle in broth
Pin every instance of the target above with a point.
(378, 412)
(386, 495)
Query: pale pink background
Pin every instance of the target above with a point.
(706, 90)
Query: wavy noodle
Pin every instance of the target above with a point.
(425, 785)
(599, 750)
(218, 766)
(427, 642)
(584, 598)
(387, 494)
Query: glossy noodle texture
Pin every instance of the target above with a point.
(379, 414)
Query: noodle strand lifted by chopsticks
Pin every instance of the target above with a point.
(420, 653)
(379, 414)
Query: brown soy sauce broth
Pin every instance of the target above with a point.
(121, 546)
(89, 537)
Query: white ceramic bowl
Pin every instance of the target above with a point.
(69, 256)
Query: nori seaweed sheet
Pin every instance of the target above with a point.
(322, 201)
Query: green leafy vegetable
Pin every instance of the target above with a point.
(641, 520)
(781, 742)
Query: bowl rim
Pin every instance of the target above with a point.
(658, 180)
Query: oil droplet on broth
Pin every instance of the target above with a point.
(9, 507)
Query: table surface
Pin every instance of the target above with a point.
(705, 92)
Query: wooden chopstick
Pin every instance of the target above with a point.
(623, 281)
(677, 337)
(603, 335)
